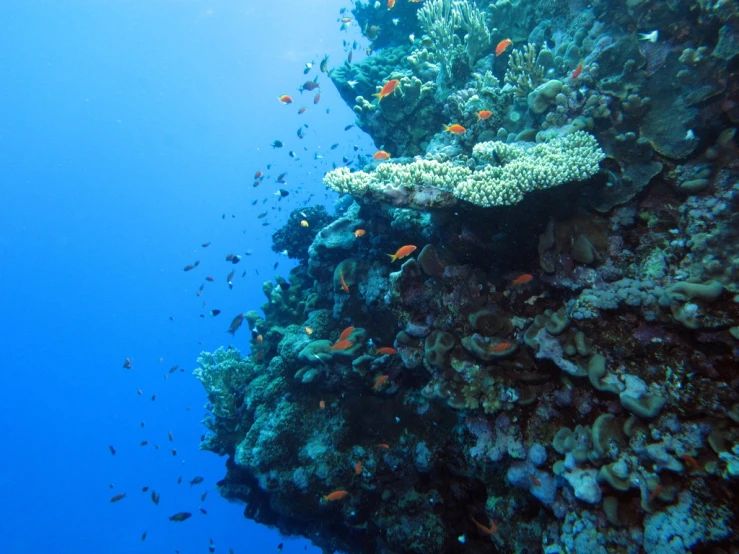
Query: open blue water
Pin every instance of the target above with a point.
(128, 130)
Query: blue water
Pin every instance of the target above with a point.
(127, 131)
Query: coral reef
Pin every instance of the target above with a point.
(553, 368)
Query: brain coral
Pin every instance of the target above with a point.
(510, 171)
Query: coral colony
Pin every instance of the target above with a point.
(519, 331)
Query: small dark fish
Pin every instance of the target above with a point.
(277, 144)
(262, 215)
(145, 489)
(254, 202)
(174, 452)
(128, 363)
(205, 245)
(202, 511)
(229, 257)
(212, 547)
(334, 146)
(153, 397)
(118, 497)
(497, 158)
(155, 497)
(143, 536)
(223, 216)
(143, 443)
(112, 449)
(170, 435)
(235, 324)
(111, 486)
(349, 57)
(292, 154)
(348, 127)
(229, 277)
(196, 480)
(356, 147)
(275, 266)
(324, 64)
(345, 159)
(215, 312)
(236, 259)
(180, 516)
(256, 271)
(317, 98)
(202, 496)
(282, 193)
(174, 368)
(142, 424)
(301, 133)
(281, 178)
(265, 224)
(279, 547)
(209, 279)
(189, 267)
(179, 480)
(285, 286)
(309, 86)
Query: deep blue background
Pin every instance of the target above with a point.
(127, 129)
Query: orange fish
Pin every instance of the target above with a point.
(341, 345)
(655, 493)
(322, 404)
(285, 99)
(258, 174)
(381, 380)
(359, 233)
(483, 114)
(344, 286)
(386, 350)
(487, 530)
(308, 331)
(500, 347)
(455, 129)
(336, 495)
(402, 252)
(387, 89)
(691, 462)
(383, 445)
(576, 73)
(535, 481)
(381, 155)
(259, 339)
(522, 279)
(502, 45)
(390, 4)
(302, 110)
(346, 333)
(317, 98)
(358, 468)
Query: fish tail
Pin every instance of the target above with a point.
(392, 257)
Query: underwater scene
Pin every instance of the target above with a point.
(496, 310)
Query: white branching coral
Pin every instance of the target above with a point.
(512, 171)
(441, 19)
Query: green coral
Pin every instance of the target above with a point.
(442, 20)
(524, 74)
(524, 168)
